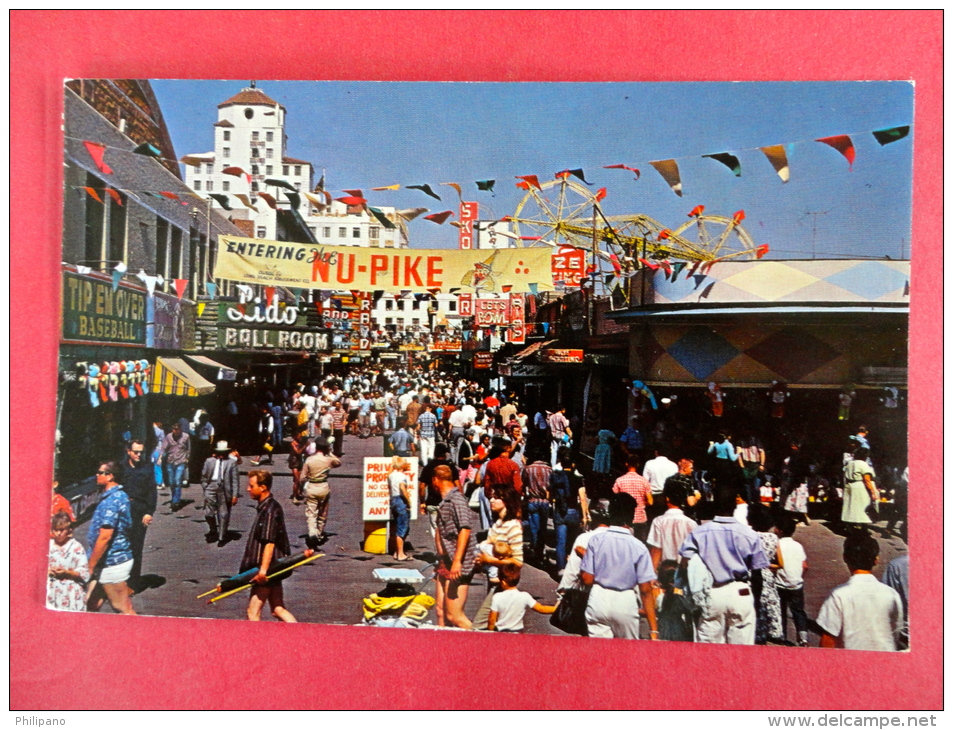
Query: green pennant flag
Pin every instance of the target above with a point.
(221, 199)
(677, 269)
(148, 150)
(485, 185)
(886, 136)
(379, 214)
(280, 184)
(728, 160)
(294, 199)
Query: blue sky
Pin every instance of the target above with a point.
(371, 134)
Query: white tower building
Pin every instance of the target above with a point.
(250, 136)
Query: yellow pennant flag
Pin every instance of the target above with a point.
(388, 187)
(200, 307)
(245, 201)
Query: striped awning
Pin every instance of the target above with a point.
(223, 372)
(172, 376)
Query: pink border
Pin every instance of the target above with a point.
(111, 663)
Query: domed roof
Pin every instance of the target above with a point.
(251, 96)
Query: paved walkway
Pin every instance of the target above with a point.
(178, 564)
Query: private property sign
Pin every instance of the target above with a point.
(376, 491)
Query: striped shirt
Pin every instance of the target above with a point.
(510, 532)
(338, 419)
(536, 477)
(453, 516)
(269, 527)
(636, 485)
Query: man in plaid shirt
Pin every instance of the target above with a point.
(638, 486)
(427, 433)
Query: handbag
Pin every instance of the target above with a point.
(570, 613)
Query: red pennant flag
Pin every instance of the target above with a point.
(601, 194)
(92, 192)
(531, 179)
(96, 151)
(760, 251)
(180, 285)
(114, 195)
(663, 234)
(352, 200)
(439, 218)
(667, 267)
(355, 193)
(615, 263)
(843, 144)
(563, 174)
(649, 264)
(270, 199)
(269, 294)
(507, 287)
(738, 216)
(523, 185)
(170, 196)
(624, 167)
(697, 211)
(236, 171)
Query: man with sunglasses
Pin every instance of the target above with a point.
(110, 556)
(139, 482)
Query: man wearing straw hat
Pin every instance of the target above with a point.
(220, 487)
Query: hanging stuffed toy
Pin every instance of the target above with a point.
(891, 397)
(640, 389)
(717, 399)
(146, 372)
(123, 380)
(103, 381)
(82, 379)
(131, 378)
(778, 394)
(845, 398)
(92, 384)
(137, 367)
(114, 381)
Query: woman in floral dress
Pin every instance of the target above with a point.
(68, 570)
(768, 626)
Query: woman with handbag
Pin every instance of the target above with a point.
(508, 531)
(859, 489)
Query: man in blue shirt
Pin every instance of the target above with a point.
(733, 555)
(615, 563)
(402, 441)
(110, 554)
(427, 432)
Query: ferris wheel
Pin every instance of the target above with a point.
(562, 212)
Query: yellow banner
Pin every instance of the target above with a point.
(305, 265)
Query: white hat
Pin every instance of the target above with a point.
(222, 446)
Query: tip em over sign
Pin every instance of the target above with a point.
(271, 263)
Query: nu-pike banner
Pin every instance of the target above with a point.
(271, 263)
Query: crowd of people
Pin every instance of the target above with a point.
(642, 542)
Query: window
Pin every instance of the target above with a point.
(284, 169)
(314, 231)
(226, 152)
(254, 136)
(254, 199)
(162, 245)
(342, 232)
(209, 185)
(416, 321)
(355, 233)
(197, 185)
(327, 232)
(227, 136)
(269, 152)
(374, 232)
(249, 113)
(225, 186)
(269, 136)
(175, 255)
(261, 233)
(298, 170)
(298, 187)
(403, 304)
(95, 219)
(388, 320)
(254, 187)
(254, 169)
(453, 306)
(268, 169)
(415, 305)
(254, 152)
(389, 304)
(208, 169)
